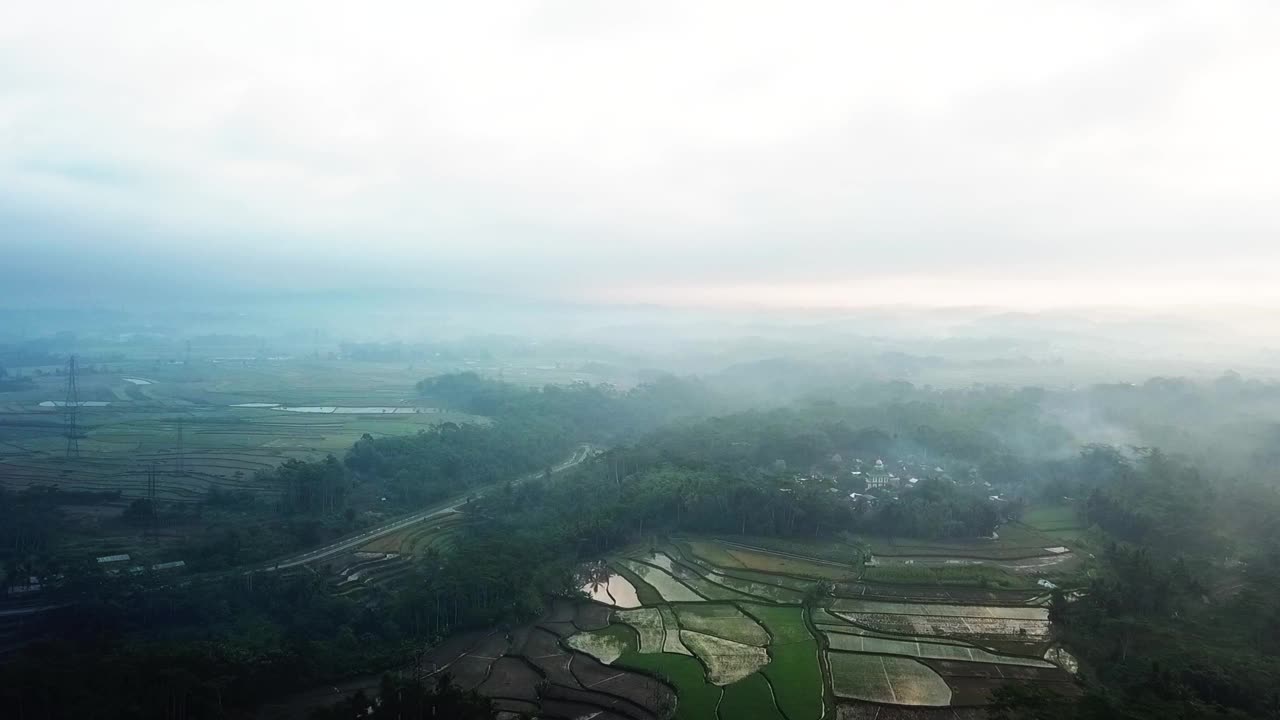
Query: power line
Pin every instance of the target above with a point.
(152, 509)
(181, 468)
(70, 410)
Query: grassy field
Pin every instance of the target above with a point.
(1052, 517)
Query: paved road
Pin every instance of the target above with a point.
(402, 522)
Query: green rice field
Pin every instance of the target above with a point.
(757, 651)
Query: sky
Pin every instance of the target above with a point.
(787, 154)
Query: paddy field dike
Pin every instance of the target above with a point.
(732, 628)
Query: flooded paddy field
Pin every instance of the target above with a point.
(724, 624)
(697, 628)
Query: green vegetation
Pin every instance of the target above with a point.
(698, 698)
(793, 668)
(981, 576)
(671, 625)
(785, 624)
(725, 621)
(754, 527)
(749, 699)
(797, 679)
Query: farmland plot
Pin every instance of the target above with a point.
(648, 624)
(749, 699)
(615, 590)
(727, 661)
(937, 609)
(667, 586)
(793, 671)
(604, 645)
(671, 628)
(1031, 623)
(774, 589)
(699, 583)
(724, 621)
(877, 678)
(698, 699)
(785, 624)
(1031, 630)
(645, 593)
(920, 649)
(764, 561)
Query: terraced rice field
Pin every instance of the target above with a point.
(604, 645)
(727, 661)
(669, 588)
(751, 699)
(937, 619)
(613, 590)
(890, 680)
(647, 622)
(756, 651)
(725, 621)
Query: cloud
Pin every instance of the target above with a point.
(728, 149)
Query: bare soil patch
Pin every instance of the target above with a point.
(590, 616)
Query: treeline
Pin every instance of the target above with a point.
(15, 383)
(1181, 616)
(399, 699)
(137, 648)
(28, 524)
(590, 413)
(528, 430)
(215, 647)
(450, 459)
(1160, 638)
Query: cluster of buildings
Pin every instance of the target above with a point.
(881, 481)
(114, 565)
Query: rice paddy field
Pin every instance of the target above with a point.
(722, 624)
(231, 419)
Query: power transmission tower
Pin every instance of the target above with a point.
(70, 409)
(152, 510)
(181, 468)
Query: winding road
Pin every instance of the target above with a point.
(397, 524)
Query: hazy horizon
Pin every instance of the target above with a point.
(728, 155)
